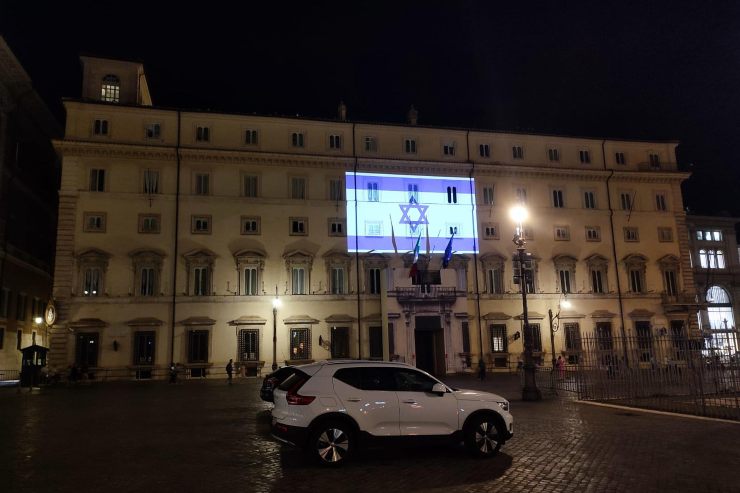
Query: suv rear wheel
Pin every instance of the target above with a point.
(331, 443)
(483, 436)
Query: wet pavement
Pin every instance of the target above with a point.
(206, 436)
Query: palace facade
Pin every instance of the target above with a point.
(179, 229)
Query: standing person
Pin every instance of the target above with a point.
(481, 369)
(230, 369)
(560, 365)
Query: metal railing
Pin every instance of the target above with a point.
(426, 291)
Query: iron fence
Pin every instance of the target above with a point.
(667, 372)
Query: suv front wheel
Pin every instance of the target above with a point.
(331, 443)
(483, 436)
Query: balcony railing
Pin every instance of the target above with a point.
(426, 292)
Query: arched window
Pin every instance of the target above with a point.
(721, 320)
(110, 89)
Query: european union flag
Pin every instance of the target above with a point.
(448, 253)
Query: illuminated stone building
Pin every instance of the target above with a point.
(177, 228)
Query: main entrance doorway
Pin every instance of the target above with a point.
(430, 344)
(340, 342)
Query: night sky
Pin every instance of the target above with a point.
(646, 70)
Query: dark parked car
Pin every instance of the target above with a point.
(272, 381)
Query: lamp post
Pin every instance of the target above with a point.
(530, 392)
(554, 326)
(275, 306)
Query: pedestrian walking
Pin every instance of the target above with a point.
(173, 373)
(560, 365)
(481, 369)
(230, 370)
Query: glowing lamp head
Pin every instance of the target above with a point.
(276, 302)
(518, 214)
(38, 320)
(565, 304)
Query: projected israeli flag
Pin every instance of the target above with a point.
(441, 205)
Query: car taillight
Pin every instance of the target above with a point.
(299, 400)
(292, 396)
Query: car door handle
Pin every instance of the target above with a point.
(354, 399)
(409, 401)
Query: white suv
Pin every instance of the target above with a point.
(329, 407)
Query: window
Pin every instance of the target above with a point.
(484, 150)
(589, 199)
(335, 142)
(250, 225)
(153, 131)
(371, 144)
(562, 233)
(249, 348)
(644, 341)
(584, 156)
(202, 184)
(488, 195)
(336, 226)
(635, 265)
(712, 259)
(147, 269)
(597, 281)
(198, 347)
(375, 335)
(202, 134)
(4, 302)
(490, 231)
(300, 343)
(338, 280)
(409, 146)
(2, 337)
(660, 202)
(298, 188)
(536, 337)
(565, 271)
(709, 235)
(251, 186)
(298, 226)
(665, 234)
(499, 342)
(448, 149)
(144, 352)
(251, 137)
(86, 349)
(631, 234)
(374, 280)
(654, 160)
(620, 158)
(336, 189)
(298, 278)
(100, 127)
(495, 279)
(526, 276)
(110, 89)
(21, 306)
(636, 283)
(94, 222)
(97, 180)
(572, 339)
(557, 199)
(564, 279)
(147, 284)
(92, 281)
(296, 139)
(372, 192)
(521, 195)
(553, 155)
(517, 152)
(202, 281)
(373, 228)
(593, 233)
(627, 200)
(452, 195)
(149, 223)
(151, 181)
(200, 224)
(670, 283)
(251, 280)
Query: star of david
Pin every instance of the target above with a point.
(405, 219)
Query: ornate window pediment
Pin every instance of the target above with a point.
(92, 266)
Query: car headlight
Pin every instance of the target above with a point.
(503, 405)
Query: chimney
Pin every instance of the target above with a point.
(342, 111)
(412, 117)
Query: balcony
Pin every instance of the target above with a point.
(426, 292)
(680, 302)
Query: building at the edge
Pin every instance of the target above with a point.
(178, 229)
(29, 177)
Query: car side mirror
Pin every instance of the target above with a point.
(439, 389)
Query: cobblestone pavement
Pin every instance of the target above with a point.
(206, 436)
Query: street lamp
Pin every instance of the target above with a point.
(530, 392)
(275, 306)
(554, 326)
